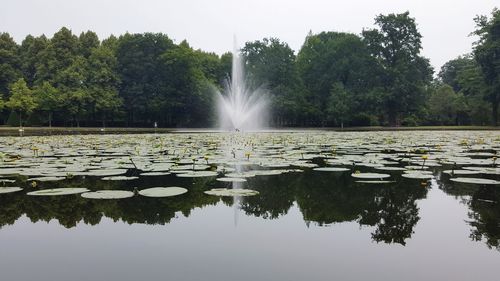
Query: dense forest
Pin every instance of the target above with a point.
(377, 77)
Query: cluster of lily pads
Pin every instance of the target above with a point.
(233, 158)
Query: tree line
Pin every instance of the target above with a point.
(377, 77)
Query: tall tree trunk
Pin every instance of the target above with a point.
(104, 120)
(50, 119)
(20, 119)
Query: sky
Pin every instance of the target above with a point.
(211, 24)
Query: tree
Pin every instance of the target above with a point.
(487, 54)
(443, 105)
(103, 82)
(183, 96)
(48, 99)
(396, 45)
(271, 62)
(140, 73)
(451, 70)
(87, 41)
(21, 99)
(339, 104)
(74, 89)
(30, 54)
(9, 62)
(329, 58)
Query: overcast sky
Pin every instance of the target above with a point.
(210, 24)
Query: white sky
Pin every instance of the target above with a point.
(210, 24)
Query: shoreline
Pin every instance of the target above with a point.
(45, 131)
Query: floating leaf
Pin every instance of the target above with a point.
(331, 169)
(9, 189)
(475, 181)
(369, 176)
(232, 179)
(231, 192)
(119, 178)
(108, 194)
(58, 191)
(162, 191)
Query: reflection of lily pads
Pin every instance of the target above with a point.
(475, 181)
(58, 191)
(370, 175)
(231, 192)
(9, 189)
(108, 194)
(163, 191)
(232, 179)
(331, 169)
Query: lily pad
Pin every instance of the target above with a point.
(47, 179)
(375, 182)
(197, 174)
(119, 178)
(58, 191)
(461, 172)
(475, 181)
(163, 191)
(232, 179)
(108, 194)
(331, 169)
(370, 175)
(417, 176)
(154, 174)
(9, 189)
(231, 192)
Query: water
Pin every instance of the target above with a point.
(240, 107)
(306, 225)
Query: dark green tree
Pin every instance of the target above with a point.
(30, 52)
(396, 44)
(185, 101)
(48, 99)
(139, 70)
(103, 82)
(329, 58)
(9, 62)
(487, 54)
(272, 63)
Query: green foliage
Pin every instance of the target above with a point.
(335, 79)
(396, 45)
(332, 58)
(9, 62)
(271, 63)
(487, 54)
(339, 104)
(21, 99)
(444, 105)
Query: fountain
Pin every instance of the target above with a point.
(241, 108)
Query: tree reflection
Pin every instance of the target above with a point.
(322, 197)
(484, 210)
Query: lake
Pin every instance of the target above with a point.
(322, 206)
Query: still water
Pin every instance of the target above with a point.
(301, 226)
